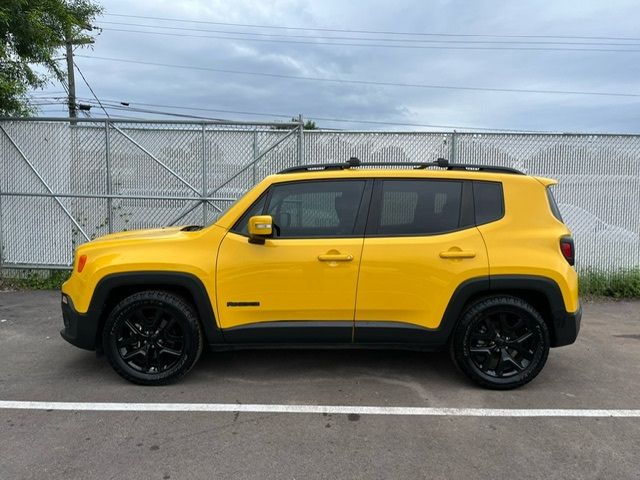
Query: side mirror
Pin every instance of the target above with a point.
(260, 227)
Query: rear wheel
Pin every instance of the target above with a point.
(501, 343)
(152, 338)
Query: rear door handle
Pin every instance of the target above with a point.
(333, 257)
(458, 254)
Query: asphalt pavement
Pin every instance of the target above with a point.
(600, 371)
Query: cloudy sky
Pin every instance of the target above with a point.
(320, 67)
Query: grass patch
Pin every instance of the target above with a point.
(621, 284)
(35, 280)
(593, 284)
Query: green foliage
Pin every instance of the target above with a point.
(621, 284)
(36, 280)
(308, 125)
(31, 33)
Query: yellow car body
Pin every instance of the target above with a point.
(349, 289)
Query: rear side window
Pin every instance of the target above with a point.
(554, 206)
(488, 201)
(418, 207)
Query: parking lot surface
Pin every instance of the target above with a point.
(601, 371)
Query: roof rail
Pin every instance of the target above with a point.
(354, 162)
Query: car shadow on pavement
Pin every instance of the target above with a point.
(293, 364)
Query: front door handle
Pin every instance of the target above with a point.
(335, 257)
(458, 254)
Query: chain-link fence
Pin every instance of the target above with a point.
(63, 183)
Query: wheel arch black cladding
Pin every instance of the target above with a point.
(114, 288)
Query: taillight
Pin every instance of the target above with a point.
(82, 261)
(568, 249)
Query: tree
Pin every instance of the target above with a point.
(31, 34)
(308, 125)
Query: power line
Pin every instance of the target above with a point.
(365, 82)
(158, 112)
(46, 93)
(130, 106)
(379, 32)
(44, 99)
(90, 89)
(377, 45)
(113, 116)
(52, 102)
(343, 120)
(119, 106)
(201, 109)
(407, 40)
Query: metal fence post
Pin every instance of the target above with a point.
(107, 151)
(452, 149)
(3, 168)
(1, 234)
(204, 174)
(300, 140)
(255, 155)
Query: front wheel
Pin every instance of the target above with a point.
(152, 338)
(501, 343)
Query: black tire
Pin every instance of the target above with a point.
(152, 338)
(500, 342)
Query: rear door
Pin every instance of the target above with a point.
(421, 243)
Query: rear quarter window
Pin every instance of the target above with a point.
(488, 201)
(554, 205)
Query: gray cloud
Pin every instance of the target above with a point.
(548, 70)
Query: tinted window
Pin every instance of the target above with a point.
(488, 201)
(419, 207)
(554, 205)
(242, 226)
(315, 209)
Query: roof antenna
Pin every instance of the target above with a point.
(353, 162)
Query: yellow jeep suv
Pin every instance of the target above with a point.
(422, 256)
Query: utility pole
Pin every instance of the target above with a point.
(71, 78)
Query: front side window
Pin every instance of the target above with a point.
(418, 207)
(242, 226)
(315, 209)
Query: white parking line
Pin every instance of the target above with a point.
(360, 410)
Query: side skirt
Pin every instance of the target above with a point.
(290, 332)
(420, 347)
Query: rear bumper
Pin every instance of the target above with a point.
(566, 328)
(79, 330)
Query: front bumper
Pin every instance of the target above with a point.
(79, 329)
(566, 328)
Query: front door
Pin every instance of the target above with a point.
(300, 286)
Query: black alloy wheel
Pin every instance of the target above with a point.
(150, 340)
(501, 342)
(152, 337)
